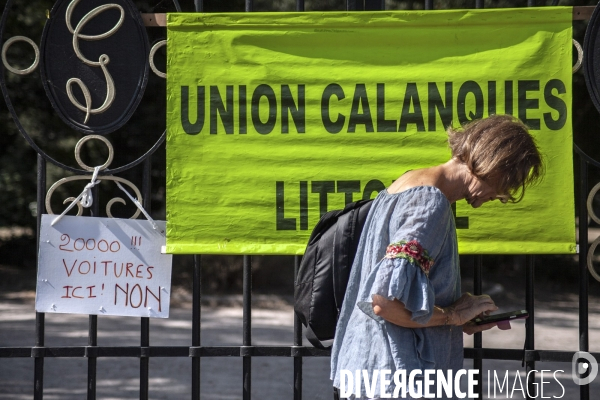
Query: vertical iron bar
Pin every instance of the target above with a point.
(584, 390)
(478, 290)
(38, 374)
(247, 326)
(478, 338)
(297, 323)
(375, 5)
(297, 342)
(530, 304)
(93, 319)
(197, 290)
(196, 331)
(147, 185)
(41, 195)
(530, 322)
(428, 4)
(247, 306)
(92, 341)
(145, 321)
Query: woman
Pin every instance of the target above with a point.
(403, 308)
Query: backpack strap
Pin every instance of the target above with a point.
(344, 247)
(312, 338)
(340, 259)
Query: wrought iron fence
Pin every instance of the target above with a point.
(247, 351)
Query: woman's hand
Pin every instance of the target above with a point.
(468, 307)
(470, 327)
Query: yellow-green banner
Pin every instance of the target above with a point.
(275, 118)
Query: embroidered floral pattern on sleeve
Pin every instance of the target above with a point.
(413, 252)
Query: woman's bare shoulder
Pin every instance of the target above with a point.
(414, 178)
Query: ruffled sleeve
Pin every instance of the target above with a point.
(417, 233)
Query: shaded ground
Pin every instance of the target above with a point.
(272, 321)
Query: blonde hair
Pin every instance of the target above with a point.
(500, 151)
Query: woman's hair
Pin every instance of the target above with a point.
(500, 151)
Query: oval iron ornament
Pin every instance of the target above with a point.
(591, 57)
(94, 63)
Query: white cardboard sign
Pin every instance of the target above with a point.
(103, 266)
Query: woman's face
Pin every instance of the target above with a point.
(480, 191)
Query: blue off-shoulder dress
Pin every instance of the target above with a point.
(363, 340)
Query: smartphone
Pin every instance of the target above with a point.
(518, 314)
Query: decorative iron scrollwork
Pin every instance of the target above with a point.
(153, 51)
(81, 142)
(27, 70)
(579, 61)
(593, 216)
(63, 61)
(102, 61)
(66, 58)
(121, 36)
(86, 167)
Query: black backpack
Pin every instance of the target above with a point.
(325, 268)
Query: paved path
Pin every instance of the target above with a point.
(272, 378)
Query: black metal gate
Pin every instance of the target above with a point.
(295, 350)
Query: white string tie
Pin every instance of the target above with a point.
(138, 205)
(85, 198)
